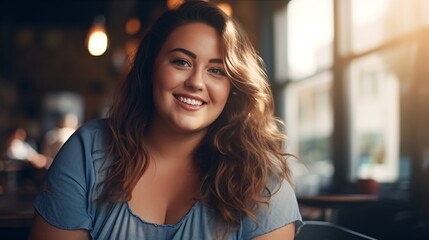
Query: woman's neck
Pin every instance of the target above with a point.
(162, 143)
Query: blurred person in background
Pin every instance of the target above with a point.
(55, 138)
(17, 148)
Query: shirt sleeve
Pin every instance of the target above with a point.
(282, 210)
(64, 197)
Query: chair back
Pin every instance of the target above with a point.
(320, 230)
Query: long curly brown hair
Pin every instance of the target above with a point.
(243, 149)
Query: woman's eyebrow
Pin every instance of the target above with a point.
(216, 60)
(193, 55)
(187, 52)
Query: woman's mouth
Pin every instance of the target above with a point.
(190, 101)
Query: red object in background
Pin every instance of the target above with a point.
(367, 186)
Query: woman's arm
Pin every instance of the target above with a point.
(284, 233)
(41, 229)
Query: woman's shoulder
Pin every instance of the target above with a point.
(281, 193)
(95, 125)
(281, 210)
(96, 129)
(283, 185)
(88, 139)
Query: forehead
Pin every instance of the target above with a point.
(199, 38)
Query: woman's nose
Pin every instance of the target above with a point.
(195, 81)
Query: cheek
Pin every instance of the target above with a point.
(160, 86)
(227, 88)
(166, 77)
(221, 91)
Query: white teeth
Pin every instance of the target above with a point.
(190, 101)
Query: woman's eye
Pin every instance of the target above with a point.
(217, 71)
(181, 62)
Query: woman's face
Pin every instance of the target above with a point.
(190, 88)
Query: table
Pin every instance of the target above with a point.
(332, 203)
(18, 188)
(16, 214)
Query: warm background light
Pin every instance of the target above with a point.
(132, 26)
(226, 7)
(97, 38)
(172, 4)
(97, 42)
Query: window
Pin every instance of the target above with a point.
(309, 37)
(363, 54)
(375, 22)
(308, 109)
(309, 124)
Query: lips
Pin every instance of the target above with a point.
(190, 100)
(190, 103)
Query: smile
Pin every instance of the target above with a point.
(190, 101)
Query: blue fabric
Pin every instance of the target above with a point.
(66, 200)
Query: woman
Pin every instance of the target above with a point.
(191, 149)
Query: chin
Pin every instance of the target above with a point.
(192, 128)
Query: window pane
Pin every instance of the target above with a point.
(309, 124)
(310, 35)
(374, 22)
(375, 87)
(280, 48)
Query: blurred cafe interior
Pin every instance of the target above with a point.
(350, 80)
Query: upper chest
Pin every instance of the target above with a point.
(165, 194)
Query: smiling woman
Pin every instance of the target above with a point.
(191, 148)
(190, 87)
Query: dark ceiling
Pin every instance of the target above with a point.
(62, 12)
